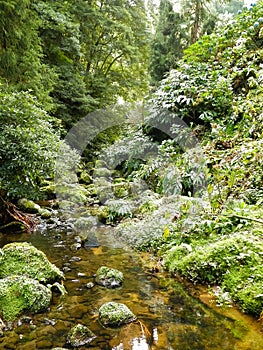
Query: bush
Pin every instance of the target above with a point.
(28, 145)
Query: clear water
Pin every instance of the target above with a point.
(169, 318)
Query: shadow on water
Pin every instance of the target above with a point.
(169, 318)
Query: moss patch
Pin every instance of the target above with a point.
(108, 277)
(25, 259)
(22, 294)
(115, 314)
(80, 335)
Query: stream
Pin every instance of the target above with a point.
(170, 318)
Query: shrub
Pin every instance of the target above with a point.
(28, 145)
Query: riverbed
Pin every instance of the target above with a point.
(169, 316)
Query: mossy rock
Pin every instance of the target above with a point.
(28, 206)
(45, 213)
(113, 314)
(108, 277)
(85, 177)
(19, 294)
(85, 223)
(80, 335)
(25, 259)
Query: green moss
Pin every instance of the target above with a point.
(245, 286)
(22, 294)
(115, 314)
(209, 263)
(233, 261)
(237, 328)
(80, 335)
(109, 277)
(28, 206)
(25, 259)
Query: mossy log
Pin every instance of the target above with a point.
(11, 218)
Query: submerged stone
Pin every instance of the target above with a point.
(80, 335)
(114, 314)
(108, 277)
(20, 294)
(25, 259)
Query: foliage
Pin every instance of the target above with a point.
(195, 94)
(28, 146)
(236, 172)
(168, 42)
(60, 37)
(75, 56)
(224, 250)
(21, 63)
(219, 77)
(182, 24)
(129, 151)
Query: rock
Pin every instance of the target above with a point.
(89, 239)
(45, 213)
(25, 259)
(114, 314)
(21, 294)
(80, 335)
(108, 277)
(85, 223)
(85, 177)
(28, 206)
(90, 285)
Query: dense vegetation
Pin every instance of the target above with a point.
(215, 235)
(185, 170)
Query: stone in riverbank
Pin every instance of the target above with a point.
(108, 277)
(80, 335)
(113, 314)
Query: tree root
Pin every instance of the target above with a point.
(12, 217)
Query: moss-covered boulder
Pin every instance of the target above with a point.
(80, 335)
(19, 294)
(25, 259)
(28, 206)
(113, 314)
(108, 277)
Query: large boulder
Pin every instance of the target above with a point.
(80, 335)
(25, 259)
(114, 314)
(19, 294)
(108, 277)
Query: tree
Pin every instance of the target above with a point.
(98, 50)
(20, 49)
(202, 16)
(169, 41)
(114, 48)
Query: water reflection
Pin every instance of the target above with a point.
(136, 344)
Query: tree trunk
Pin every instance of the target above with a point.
(196, 24)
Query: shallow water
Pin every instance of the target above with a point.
(169, 318)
